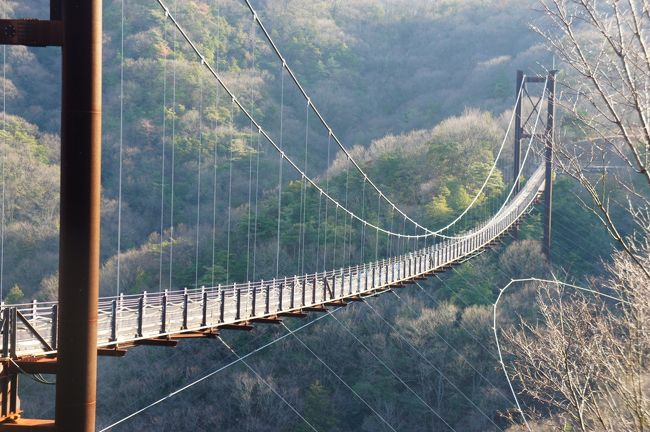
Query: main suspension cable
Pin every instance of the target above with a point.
(365, 223)
(293, 76)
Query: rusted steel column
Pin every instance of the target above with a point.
(81, 113)
(548, 186)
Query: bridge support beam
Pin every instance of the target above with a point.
(549, 138)
(81, 116)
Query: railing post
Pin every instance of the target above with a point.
(141, 306)
(55, 325)
(280, 292)
(13, 395)
(267, 299)
(358, 280)
(313, 290)
(350, 280)
(34, 310)
(186, 305)
(113, 321)
(237, 302)
(163, 313)
(254, 299)
(303, 289)
(222, 301)
(204, 307)
(292, 302)
(5, 333)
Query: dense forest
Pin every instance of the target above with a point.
(420, 92)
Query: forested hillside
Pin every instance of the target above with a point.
(421, 92)
(375, 69)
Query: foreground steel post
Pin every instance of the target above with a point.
(548, 186)
(80, 207)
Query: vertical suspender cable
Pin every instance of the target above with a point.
(336, 229)
(277, 250)
(162, 165)
(232, 145)
(215, 158)
(320, 202)
(119, 187)
(257, 197)
(350, 241)
(345, 222)
(363, 216)
(327, 191)
(303, 204)
(250, 161)
(377, 230)
(198, 181)
(171, 201)
(388, 236)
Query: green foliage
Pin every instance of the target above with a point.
(15, 295)
(319, 409)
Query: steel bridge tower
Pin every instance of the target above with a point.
(75, 26)
(523, 130)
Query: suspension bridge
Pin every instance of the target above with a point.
(64, 337)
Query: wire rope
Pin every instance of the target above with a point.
(281, 164)
(277, 147)
(215, 151)
(121, 138)
(278, 53)
(162, 167)
(250, 156)
(396, 332)
(198, 183)
(259, 377)
(392, 372)
(230, 167)
(173, 155)
(213, 373)
(303, 200)
(257, 197)
(354, 392)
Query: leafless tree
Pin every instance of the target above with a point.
(605, 51)
(586, 360)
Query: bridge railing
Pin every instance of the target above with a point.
(30, 329)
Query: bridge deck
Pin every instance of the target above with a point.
(30, 329)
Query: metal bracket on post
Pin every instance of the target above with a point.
(31, 32)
